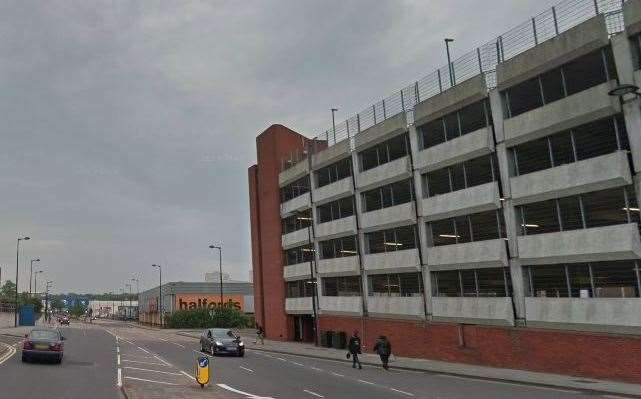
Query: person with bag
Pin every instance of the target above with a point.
(354, 348)
(384, 349)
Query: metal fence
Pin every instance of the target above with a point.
(482, 60)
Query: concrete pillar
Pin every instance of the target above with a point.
(427, 280)
(518, 290)
(497, 114)
(632, 107)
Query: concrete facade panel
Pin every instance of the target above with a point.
(396, 170)
(608, 314)
(468, 146)
(295, 238)
(346, 266)
(471, 255)
(293, 173)
(382, 131)
(297, 204)
(341, 304)
(478, 310)
(452, 99)
(336, 228)
(475, 199)
(392, 262)
(298, 271)
(595, 244)
(403, 307)
(299, 305)
(333, 191)
(331, 154)
(578, 109)
(599, 173)
(573, 43)
(632, 17)
(399, 215)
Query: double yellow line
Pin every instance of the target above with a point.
(11, 350)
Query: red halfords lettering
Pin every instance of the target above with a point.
(202, 303)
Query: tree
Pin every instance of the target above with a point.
(57, 304)
(8, 291)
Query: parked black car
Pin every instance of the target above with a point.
(221, 341)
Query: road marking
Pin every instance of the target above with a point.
(186, 374)
(119, 377)
(129, 342)
(313, 393)
(403, 392)
(366, 382)
(153, 371)
(11, 350)
(315, 368)
(246, 369)
(164, 361)
(152, 381)
(144, 350)
(155, 364)
(249, 395)
(336, 374)
(128, 356)
(118, 357)
(281, 359)
(177, 344)
(298, 364)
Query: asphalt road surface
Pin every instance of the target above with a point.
(100, 358)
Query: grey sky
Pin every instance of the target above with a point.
(127, 127)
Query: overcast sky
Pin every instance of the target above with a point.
(127, 127)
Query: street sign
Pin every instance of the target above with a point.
(202, 371)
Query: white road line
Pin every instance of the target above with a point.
(246, 369)
(135, 361)
(119, 377)
(118, 357)
(281, 359)
(164, 361)
(129, 342)
(366, 382)
(152, 371)
(127, 356)
(315, 368)
(186, 374)
(11, 350)
(152, 381)
(298, 364)
(403, 392)
(313, 393)
(177, 344)
(336, 374)
(249, 395)
(144, 350)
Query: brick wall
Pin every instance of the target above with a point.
(592, 355)
(272, 146)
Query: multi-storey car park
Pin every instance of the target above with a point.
(489, 217)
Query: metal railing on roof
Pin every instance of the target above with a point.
(482, 59)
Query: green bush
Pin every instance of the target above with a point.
(208, 318)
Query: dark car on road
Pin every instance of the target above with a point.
(43, 343)
(218, 341)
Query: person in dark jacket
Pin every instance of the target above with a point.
(354, 348)
(384, 349)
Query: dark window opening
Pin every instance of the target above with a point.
(342, 286)
(295, 189)
(490, 282)
(468, 174)
(395, 285)
(338, 248)
(387, 151)
(466, 120)
(396, 239)
(388, 195)
(296, 222)
(334, 172)
(334, 210)
(475, 227)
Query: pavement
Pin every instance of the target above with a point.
(109, 359)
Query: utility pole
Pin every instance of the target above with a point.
(160, 306)
(137, 296)
(47, 300)
(31, 273)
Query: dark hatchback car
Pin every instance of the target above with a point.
(218, 341)
(43, 343)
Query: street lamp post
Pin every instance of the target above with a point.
(15, 311)
(31, 273)
(35, 279)
(450, 67)
(113, 304)
(220, 267)
(129, 285)
(160, 307)
(47, 299)
(334, 123)
(311, 274)
(137, 295)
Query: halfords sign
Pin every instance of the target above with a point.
(208, 301)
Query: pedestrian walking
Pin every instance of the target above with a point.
(384, 349)
(260, 334)
(354, 348)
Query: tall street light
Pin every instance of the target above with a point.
(137, 294)
(220, 267)
(111, 293)
(31, 273)
(47, 299)
(35, 279)
(15, 311)
(450, 67)
(129, 285)
(160, 307)
(334, 123)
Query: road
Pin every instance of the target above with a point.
(159, 364)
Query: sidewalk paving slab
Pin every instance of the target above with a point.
(441, 367)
